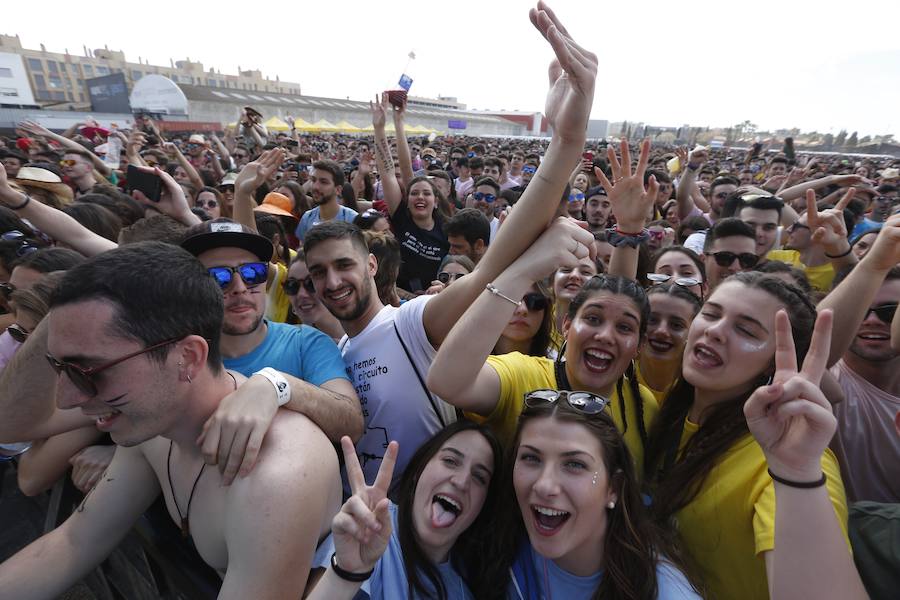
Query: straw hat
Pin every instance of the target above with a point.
(37, 177)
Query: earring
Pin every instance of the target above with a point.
(611, 505)
(189, 378)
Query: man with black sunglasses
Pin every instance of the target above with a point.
(136, 349)
(729, 248)
(868, 370)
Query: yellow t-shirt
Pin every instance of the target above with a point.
(279, 303)
(820, 278)
(660, 395)
(728, 526)
(520, 374)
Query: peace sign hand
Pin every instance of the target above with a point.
(828, 227)
(791, 419)
(362, 528)
(379, 111)
(631, 202)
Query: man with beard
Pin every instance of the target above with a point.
(868, 371)
(326, 182)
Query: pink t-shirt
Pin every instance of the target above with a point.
(8, 347)
(866, 443)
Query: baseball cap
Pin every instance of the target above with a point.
(225, 233)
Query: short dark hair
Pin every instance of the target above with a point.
(779, 158)
(83, 153)
(476, 162)
(488, 181)
(47, 260)
(337, 172)
(98, 219)
(493, 162)
(335, 230)
(122, 205)
(161, 228)
(801, 280)
(725, 228)
(471, 224)
(159, 292)
(735, 203)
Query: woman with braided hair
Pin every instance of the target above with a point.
(715, 482)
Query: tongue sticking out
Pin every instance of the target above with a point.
(441, 516)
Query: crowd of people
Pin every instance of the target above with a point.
(392, 367)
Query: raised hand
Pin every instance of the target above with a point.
(631, 201)
(379, 111)
(34, 129)
(698, 156)
(683, 156)
(172, 200)
(255, 173)
(791, 419)
(8, 196)
(885, 252)
(572, 76)
(828, 227)
(562, 244)
(362, 528)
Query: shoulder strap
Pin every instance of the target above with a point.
(412, 363)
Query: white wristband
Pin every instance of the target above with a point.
(282, 387)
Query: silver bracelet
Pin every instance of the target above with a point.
(493, 289)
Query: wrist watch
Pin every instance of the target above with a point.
(282, 387)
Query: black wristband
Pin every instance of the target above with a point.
(23, 205)
(803, 485)
(849, 250)
(348, 575)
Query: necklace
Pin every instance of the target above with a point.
(184, 519)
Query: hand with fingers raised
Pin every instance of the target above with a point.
(255, 173)
(828, 227)
(790, 418)
(572, 76)
(631, 200)
(363, 527)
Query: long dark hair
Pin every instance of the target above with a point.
(441, 207)
(468, 553)
(723, 424)
(623, 286)
(632, 545)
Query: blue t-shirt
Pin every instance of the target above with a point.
(529, 581)
(311, 218)
(388, 580)
(298, 350)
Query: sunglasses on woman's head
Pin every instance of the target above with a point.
(583, 402)
(292, 285)
(445, 277)
(748, 260)
(658, 278)
(576, 197)
(535, 301)
(17, 333)
(83, 378)
(253, 274)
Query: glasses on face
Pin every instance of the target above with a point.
(236, 155)
(253, 274)
(445, 277)
(211, 203)
(529, 169)
(535, 302)
(17, 332)
(6, 289)
(795, 226)
(291, 285)
(885, 312)
(583, 402)
(479, 196)
(576, 197)
(726, 259)
(83, 379)
(68, 162)
(658, 278)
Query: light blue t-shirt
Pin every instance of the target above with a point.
(388, 580)
(671, 583)
(311, 218)
(298, 350)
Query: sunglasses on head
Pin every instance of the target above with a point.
(83, 378)
(885, 312)
(576, 197)
(292, 285)
(535, 301)
(479, 196)
(795, 226)
(658, 278)
(726, 259)
(17, 333)
(445, 277)
(253, 274)
(372, 214)
(583, 402)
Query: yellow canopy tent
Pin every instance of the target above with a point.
(346, 127)
(276, 124)
(303, 125)
(323, 125)
(417, 129)
(389, 128)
